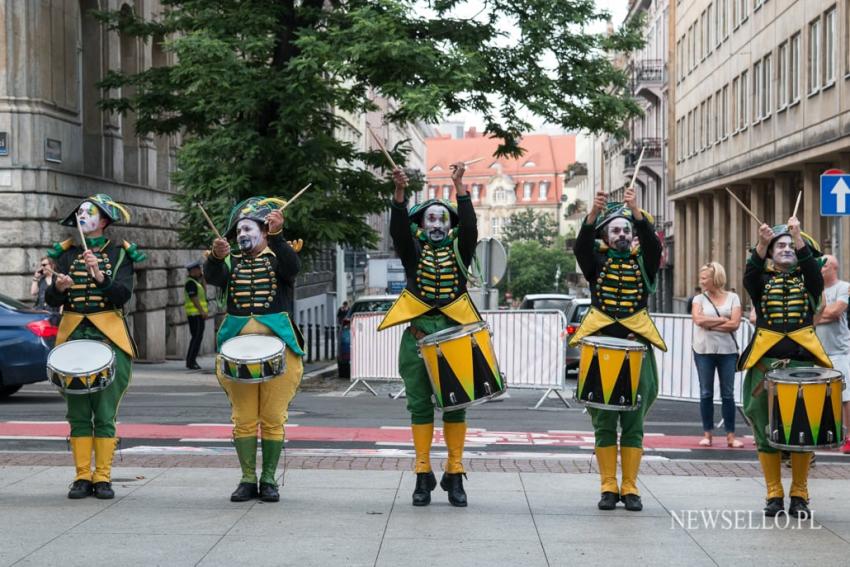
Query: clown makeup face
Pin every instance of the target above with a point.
(90, 217)
(782, 252)
(436, 222)
(249, 235)
(619, 234)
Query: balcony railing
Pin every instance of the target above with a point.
(649, 71)
(652, 151)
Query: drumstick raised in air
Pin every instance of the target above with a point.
(381, 145)
(209, 221)
(289, 202)
(743, 206)
(637, 167)
(83, 239)
(470, 162)
(797, 204)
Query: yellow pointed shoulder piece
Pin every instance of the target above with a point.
(461, 310)
(763, 341)
(406, 308)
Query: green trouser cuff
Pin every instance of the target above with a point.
(246, 450)
(271, 456)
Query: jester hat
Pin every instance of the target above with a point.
(112, 210)
(417, 211)
(253, 208)
(616, 210)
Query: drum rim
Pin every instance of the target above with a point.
(100, 369)
(825, 375)
(447, 334)
(281, 352)
(634, 346)
(471, 403)
(803, 448)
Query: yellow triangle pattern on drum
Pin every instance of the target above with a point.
(635, 362)
(256, 370)
(787, 394)
(584, 365)
(835, 394)
(459, 356)
(610, 363)
(814, 396)
(482, 338)
(429, 357)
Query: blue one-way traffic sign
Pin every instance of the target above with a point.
(834, 192)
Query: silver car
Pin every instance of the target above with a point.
(578, 309)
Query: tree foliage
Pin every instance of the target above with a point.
(532, 268)
(528, 224)
(257, 88)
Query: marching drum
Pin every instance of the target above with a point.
(252, 359)
(81, 367)
(609, 373)
(461, 365)
(804, 408)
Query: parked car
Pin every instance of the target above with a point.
(26, 337)
(578, 309)
(538, 301)
(363, 304)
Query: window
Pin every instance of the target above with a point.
(526, 191)
(757, 4)
(718, 22)
(476, 192)
(712, 29)
(758, 91)
(724, 20)
(734, 13)
(782, 75)
(717, 104)
(830, 20)
(447, 191)
(734, 114)
(767, 85)
(794, 69)
(703, 33)
(496, 226)
(724, 115)
(814, 67)
(432, 192)
(543, 192)
(742, 100)
(743, 11)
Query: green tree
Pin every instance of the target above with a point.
(256, 88)
(530, 225)
(532, 268)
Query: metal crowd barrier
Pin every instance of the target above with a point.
(530, 347)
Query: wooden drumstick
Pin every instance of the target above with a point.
(209, 220)
(289, 202)
(470, 162)
(83, 239)
(637, 167)
(743, 206)
(797, 204)
(381, 145)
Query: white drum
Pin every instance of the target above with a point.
(81, 367)
(252, 359)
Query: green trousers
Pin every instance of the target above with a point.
(94, 415)
(416, 382)
(631, 422)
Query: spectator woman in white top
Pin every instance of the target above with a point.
(717, 315)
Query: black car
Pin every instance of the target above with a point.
(26, 337)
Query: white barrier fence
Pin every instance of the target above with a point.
(529, 346)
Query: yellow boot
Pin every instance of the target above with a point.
(104, 448)
(607, 459)
(799, 492)
(771, 466)
(452, 481)
(81, 448)
(423, 434)
(630, 462)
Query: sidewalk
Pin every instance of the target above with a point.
(182, 516)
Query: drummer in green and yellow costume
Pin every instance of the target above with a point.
(92, 288)
(260, 283)
(621, 277)
(785, 283)
(435, 243)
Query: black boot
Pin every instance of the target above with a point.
(268, 492)
(608, 501)
(244, 492)
(632, 502)
(80, 489)
(103, 491)
(453, 484)
(425, 483)
(799, 508)
(774, 507)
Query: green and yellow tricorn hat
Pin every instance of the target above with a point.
(417, 211)
(114, 211)
(616, 210)
(782, 230)
(254, 208)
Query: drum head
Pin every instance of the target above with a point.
(453, 333)
(80, 357)
(804, 374)
(613, 343)
(252, 347)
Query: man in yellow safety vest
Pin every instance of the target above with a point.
(195, 304)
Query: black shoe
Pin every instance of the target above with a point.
(193, 366)
(425, 483)
(799, 508)
(80, 489)
(774, 507)
(453, 484)
(103, 491)
(632, 502)
(244, 492)
(608, 501)
(268, 492)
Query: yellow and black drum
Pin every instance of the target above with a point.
(609, 373)
(804, 408)
(462, 366)
(252, 359)
(81, 367)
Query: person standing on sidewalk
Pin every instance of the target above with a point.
(717, 315)
(92, 287)
(435, 242)
(784, 281)
(832, 330)
(260, 284)
(621, 278)
(197, 310)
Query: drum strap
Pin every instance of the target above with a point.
(473, 278)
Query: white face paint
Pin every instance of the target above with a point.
(89, 215)
(248, 235)
(436, 222)
(619, 234)
(782, 252)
